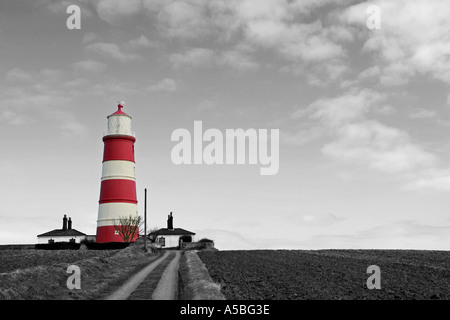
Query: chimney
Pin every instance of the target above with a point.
(69, 225)
(65, 223)
(170, 222)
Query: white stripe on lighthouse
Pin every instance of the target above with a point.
(108, 212)
(118, 169)
(119, 124)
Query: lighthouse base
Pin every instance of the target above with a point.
(110, 234)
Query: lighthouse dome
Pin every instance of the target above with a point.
(119, 123)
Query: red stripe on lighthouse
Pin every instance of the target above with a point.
(118, 190)
(108, 234)
(119, 147)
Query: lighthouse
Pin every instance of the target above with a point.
(118, 183)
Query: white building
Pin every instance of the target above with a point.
(66, 234)
(171, 237)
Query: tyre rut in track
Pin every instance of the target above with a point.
(133, 283)
(150, 283)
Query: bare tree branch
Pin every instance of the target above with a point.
(128, 227)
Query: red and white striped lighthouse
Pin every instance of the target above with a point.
(118, 186)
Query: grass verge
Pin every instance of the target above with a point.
(99, 276)
(195, 282)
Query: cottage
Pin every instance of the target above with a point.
(171, 237)
(66, 234)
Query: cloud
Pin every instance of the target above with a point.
(111, 50)
(357, 139)
(318, 220)
(14, 118)
(380, 147)
(194, 57)
(340, 110)
(68, 123)
(236, 59)
(60, 6)
(413, 38)
(89, 37)
(18, 75)
(113, 11)
(435, 179)
(188, 19)
(275, 26)
(165, 85)
(421, 113)
(226, 239)
(301, 137)
(89, 66)
(141, 42)
(405, 234)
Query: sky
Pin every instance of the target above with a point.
(363, 115)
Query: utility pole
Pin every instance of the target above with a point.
(145, 219)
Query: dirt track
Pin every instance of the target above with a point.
(163, 272)
(167, 288)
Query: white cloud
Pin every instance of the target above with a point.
(421, 113)
(340, 110)
(14, 118)
(268, 24)
(141, 42)
(89, 37)
(195, 57)
(436, 179)
(51, 74)
(237, 60)
(405, 234)
(112, 11)
(89, 66)
(165, 85)
(318, 220)
(60, 6)
(356, 139)
(301, 137)
(17, 74)
(413, 39)
(111, 50)
(187, 19)
(379, 147)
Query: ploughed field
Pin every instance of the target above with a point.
(329, 274)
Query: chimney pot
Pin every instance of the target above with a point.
(170, 222)
(65, 222)
(69, 224)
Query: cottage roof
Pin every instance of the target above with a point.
(62, 233)
(173, 232)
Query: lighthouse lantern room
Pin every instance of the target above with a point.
(118, 183)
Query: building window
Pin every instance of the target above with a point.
(162, 241)
(116, 232)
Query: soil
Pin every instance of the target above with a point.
(329, 274)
